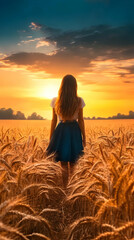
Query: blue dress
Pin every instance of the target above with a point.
(66, 141)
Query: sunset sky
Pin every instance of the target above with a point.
(41, 41)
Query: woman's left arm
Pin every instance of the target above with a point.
(82, 125)
(53, 123)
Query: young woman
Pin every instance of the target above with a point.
(68, 139)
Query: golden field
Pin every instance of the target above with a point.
(98, 203)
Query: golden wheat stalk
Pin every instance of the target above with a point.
(5, 238)
(4, 146)
(37, 236)
(38, 222)
(7, 230)
(82, 223)
(118, 233)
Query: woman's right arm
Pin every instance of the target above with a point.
(82, 125)
(53, 123)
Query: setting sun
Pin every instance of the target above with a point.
(49, 91)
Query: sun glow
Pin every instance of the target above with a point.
(49, 91)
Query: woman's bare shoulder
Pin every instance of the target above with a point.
(53, 101)
(81, 102)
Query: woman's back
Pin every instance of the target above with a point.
(75, 115)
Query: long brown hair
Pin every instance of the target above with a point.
(67, 100)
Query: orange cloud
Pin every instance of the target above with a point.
(42, 43)
(34, 26)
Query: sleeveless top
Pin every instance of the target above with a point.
(75, 116)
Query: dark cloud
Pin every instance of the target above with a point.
(76, 49)
(9, 114)
(20, 115)
(118, 116)
(99, 40)
(24, 58)
(127, 81)
(123, 116)
(57, 65)
(34, 116)
(129, 69)
(49, 31)
(101, 35)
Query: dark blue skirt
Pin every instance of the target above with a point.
(66, 142)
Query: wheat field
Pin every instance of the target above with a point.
(98, 203)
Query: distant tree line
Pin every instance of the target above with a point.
(9, 114)
(118, 116)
